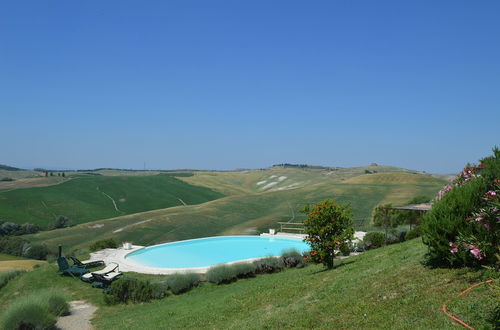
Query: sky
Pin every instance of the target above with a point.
(248, 84)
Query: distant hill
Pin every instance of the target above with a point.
(9, 168)
(97, 197)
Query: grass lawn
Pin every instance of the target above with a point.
(383, 288)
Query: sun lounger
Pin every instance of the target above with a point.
(66, 269)
(103, 281)
(111, 267)
(86, 263)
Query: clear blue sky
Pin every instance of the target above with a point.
(247, 84)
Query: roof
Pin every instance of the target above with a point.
(414, 207)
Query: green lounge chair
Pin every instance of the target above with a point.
(86, 263)
(66, 269)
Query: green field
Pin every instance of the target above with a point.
(243, 213)
(383, 288)
(91, 198)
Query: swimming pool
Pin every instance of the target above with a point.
(206, 252)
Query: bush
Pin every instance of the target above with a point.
(103, 244)
(180, 283)
(26, 314)
(373, 240)
(292, 258)
(159, 290)
(414, 233)
(221, 274)
(6, 277)
(268, 265)
(37, 251)
(7, 179)
(13, 245)
(244, 269)
(462, 228)
(129, 289)
(35, 311)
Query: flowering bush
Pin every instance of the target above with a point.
(463, 226)
(328, 229)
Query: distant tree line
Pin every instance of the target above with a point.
(288, 165)
(7, 179)
(14, 229)
(17, 246)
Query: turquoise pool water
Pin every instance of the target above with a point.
(205, 252)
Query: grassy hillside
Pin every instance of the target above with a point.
(238, 214)
(383, 288)
(91, 198)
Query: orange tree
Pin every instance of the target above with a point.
(328, 228)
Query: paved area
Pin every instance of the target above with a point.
(81, 312)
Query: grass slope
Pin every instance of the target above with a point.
(90, 198)
(239, 214)
(383, 288)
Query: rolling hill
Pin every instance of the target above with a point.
(246, 211)
(91, 198)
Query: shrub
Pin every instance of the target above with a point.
(268, 265)
(292, 258)
(244, 269)
(6, 179)
(26, 314)
(103, 244)
(462, 228)
(414, 233)
(221, 274)
(129, 289)
(180, 283)
(13, 245)
(35, 311)
(6, 277)
(374, 239)
(37, 251)
(328, 227)
(159, 290)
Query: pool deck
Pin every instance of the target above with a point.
(125, 265)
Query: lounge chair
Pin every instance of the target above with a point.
(86, 263)
(111, 267)
(101, 280)
(66, 269)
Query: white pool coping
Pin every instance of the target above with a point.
(126, 265)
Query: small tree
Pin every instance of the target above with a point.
(328, 229)
(383, 216)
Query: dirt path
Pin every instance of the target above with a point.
(114, 203)
(81, 312)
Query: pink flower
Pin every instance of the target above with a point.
(479, 219)
(454, 250)
(477, 253)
